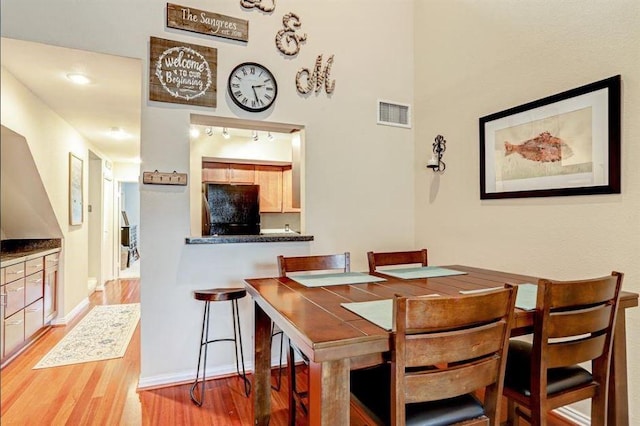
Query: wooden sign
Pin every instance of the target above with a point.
(209, 23)
(182, 73)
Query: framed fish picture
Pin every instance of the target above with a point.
(565, 144)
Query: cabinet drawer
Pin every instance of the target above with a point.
(13, 332)
(14, 272)
(14, 295)
(34, 265)
(33, 318)
(33, 288)
(51, 260)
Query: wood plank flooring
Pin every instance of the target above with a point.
(104, 393)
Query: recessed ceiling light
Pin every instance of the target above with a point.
(194, 132)
(225, 133)
(78, 78)
(118, 133)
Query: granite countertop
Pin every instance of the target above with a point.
(16, 251)
(265, 238)
(8, 259)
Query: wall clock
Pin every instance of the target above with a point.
(252, 87)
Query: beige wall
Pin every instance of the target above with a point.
(477, 58)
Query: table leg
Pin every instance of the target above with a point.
(262, 368)
(329, 393)
(618, 409)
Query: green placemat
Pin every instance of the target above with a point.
(342, 278)
(379, 312)
(527, 295)
(420, 272)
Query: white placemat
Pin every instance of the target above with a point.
(527, 295)
(420, 272)
(526, 298)
(341, 278)
(379, 312)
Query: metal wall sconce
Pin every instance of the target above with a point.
(435, 163)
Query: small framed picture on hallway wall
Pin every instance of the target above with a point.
(76, 202)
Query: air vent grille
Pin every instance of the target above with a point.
(394, 114)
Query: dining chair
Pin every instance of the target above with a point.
(287, 265)
(444, 350)
(396, 258)
(574, 323)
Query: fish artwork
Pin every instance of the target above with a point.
(543, 148)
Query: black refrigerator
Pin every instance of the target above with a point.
(231, 209)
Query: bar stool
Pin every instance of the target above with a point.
(219, 295)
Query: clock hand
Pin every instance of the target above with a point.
(254, 92)
(259, 85)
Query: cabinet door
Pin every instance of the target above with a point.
(242, 173)
(50, 286)
(14, 296)
(14, 272)
(33, 287)
(270, 180)
(215, 172)
(13, 332)
(33, 319)
(287, 192)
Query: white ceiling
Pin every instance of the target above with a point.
(112, 99)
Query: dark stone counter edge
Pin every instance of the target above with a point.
(233, 239)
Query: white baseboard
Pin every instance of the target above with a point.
(573, 415)
(64, 320)
(189, 376)
(179, 378)
(92, 284)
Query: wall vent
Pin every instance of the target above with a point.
(394, 114)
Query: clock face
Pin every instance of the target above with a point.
(252, 87)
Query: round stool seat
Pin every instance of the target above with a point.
(220, 294)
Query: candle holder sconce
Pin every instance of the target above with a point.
(435, 163)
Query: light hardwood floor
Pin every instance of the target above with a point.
(104, 393)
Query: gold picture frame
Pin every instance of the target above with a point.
(76, 188)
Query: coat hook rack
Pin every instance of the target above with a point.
(164, 178)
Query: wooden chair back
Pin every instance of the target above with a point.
(574, 323)
(396, 258)
(446, 347)
(314, 263)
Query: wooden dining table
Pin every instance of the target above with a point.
(336, 340)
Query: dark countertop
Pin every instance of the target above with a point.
(20, 250)
(8, 259)
(232, 239)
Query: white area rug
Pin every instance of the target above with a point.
(104, 333)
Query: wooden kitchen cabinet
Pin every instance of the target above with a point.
(214, 172)
(270, 180)
(29, 301)
(287, 191)
(50, 287)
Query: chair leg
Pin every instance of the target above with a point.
(204, 338)
(281, 334)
